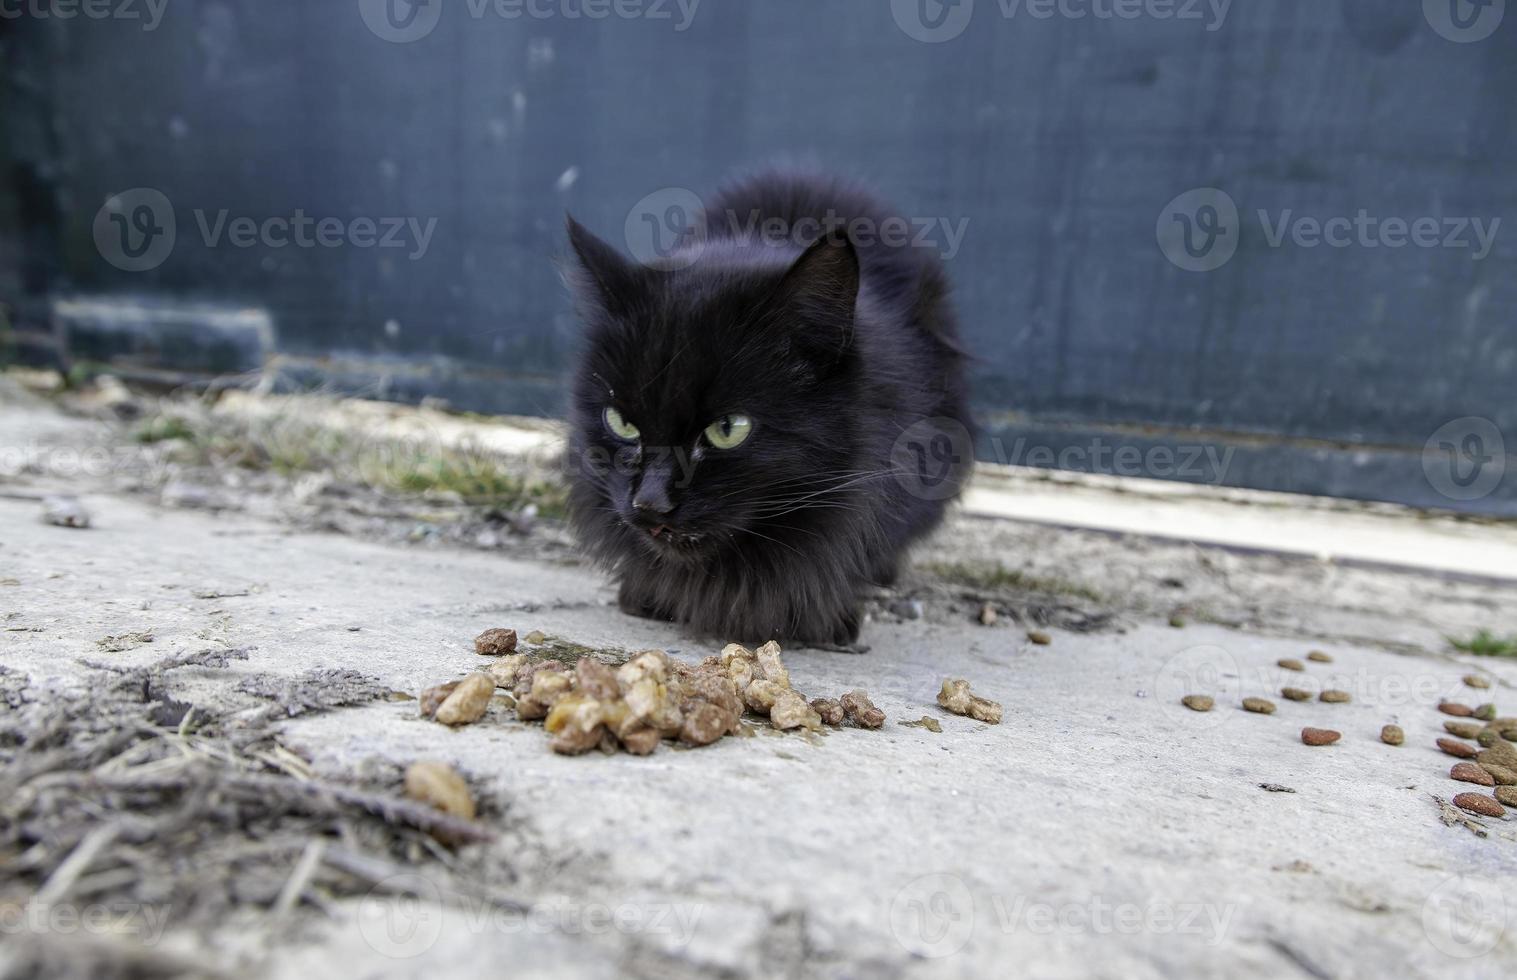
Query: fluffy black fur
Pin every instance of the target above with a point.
(834, 350)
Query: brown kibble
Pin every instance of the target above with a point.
(703, 723)
(790, 710)
(1317, 656)
(1295, 694)
(1289, 663)
(1487, 738)
(545, 688)
(495, 642)
(503, 671)
(1485, 712)
(959, 699)
(861, 711)
(1476, 681)
(1335, 697)
(641, 741)
(1455, 709)
(1259, 706)
(576, 723)
(1507, 795)
(1039, 637)
(1502, 775)
(1392, 735)
(1456, 749)
(988, 615)
(595, 680)
(437, 784)
(1197, 702)
(830, 710)
(1320, 736)
(468, 701)
(1464, 729)
(433, 697)
(1479, 803)
(1468, 772)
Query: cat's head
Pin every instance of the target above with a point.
(712, 401)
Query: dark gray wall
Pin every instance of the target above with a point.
(1059, 141)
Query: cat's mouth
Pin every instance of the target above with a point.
(664, 537)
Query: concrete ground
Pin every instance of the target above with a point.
(1102, 829)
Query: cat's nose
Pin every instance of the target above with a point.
(652, 497)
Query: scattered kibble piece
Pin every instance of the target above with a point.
(1479, 803)
(1487, 738)
(1468, 772)
(1456, 749)
(1392, 735)
(830, 710)
(1319, 657)
(927, 722)
(861, 711)
(437, 784)
(1485, 712)
(1195, 702)
(468, 701)
(1476, 681)
(1295, 694)
(433, 697)
(958, 698)
(1455, 709)
(1320, 736)
(988, 615)
(503, 671)
(1464, 729)
(1502, 775)
(790, 710)
(1259, 706)
(495, 642)
(1335, 697)
(535, 637)
(1289, 663)
(1507, 795)
(1039, 637)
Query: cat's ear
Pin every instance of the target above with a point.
(822, 288)
(599, 273)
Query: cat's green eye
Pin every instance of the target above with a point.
(729, 431)
(619, 426)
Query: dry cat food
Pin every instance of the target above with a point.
(1039, 637)
(1458, 750)
(959, 699)
(1392, 735)
(1295, 694)
(1479, 803)
(648, 699)
(1290, 663)
(1320, 736)
(495, 642)
(1259, 706)
(1468, 772)
(1319, 657)
(1195, 702)
(1463, 729)
(438, 785)
(1507, 795)
(1455, 709)
(1502, 775)
(1335, 697)
(1476, 681)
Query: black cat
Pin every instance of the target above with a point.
(766, 420)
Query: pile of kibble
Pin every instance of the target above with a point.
(1493, 764)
